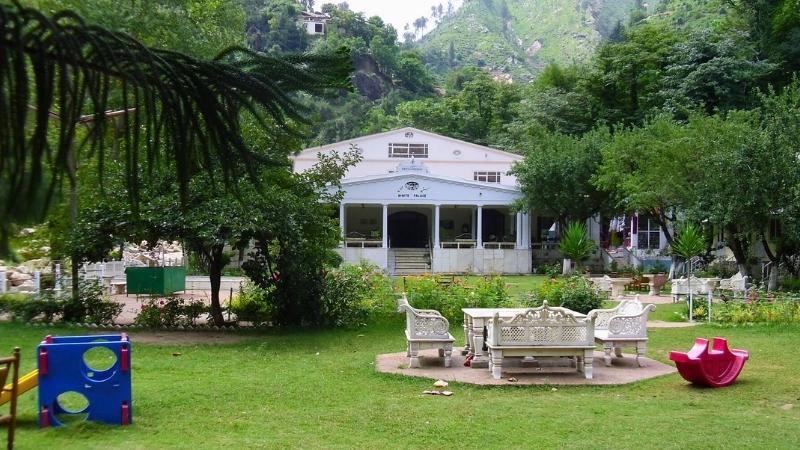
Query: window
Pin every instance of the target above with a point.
(488, 177)
(408, 150)
(649, 233)
(319, 28)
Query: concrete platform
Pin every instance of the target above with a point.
(557, 371)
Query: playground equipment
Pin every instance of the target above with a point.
(715, 367)
(26, 383)
(10, 366)
(63, 368)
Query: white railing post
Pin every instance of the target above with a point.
(385, 226)
(37, 282)
(436, 221)
(479, 237)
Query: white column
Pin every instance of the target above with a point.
(635, 236)
(2, 281)
(480, 227)
(343, 223)
(385, 226)
(436, 221)
(473, 224)
(518, 230)
(526, 231)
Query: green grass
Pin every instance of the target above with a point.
(320, 390)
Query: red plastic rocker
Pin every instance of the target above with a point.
(715, 367)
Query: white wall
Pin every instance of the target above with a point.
(473, 260)
(442, 159)
(354, 255)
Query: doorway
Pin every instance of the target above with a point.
(408, 229)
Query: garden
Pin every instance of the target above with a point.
(268, 387)
(319, 389)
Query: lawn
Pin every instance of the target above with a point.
(320, 390)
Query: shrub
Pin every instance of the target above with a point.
(426, 293)
(761, 308)
(551, 270)
(489, 293)
(252, 305)
(8, 302)
(790, 284)
(355, 293)
(170, 312)
(27, 308)
(575, 243)
(91, 306)
(573, 293)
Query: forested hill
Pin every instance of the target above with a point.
(518, 38)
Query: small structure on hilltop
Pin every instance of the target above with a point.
(314, 22)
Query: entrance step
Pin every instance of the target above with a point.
(411, 261)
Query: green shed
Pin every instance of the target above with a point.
(155, 280)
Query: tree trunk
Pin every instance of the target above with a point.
(215, 276)
(737, 248)
(5, 240)
(774, 262)
(75, 262)
(773, 278)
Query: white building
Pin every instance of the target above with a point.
(314, 22)
(421, 202)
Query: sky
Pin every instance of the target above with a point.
(396, 12)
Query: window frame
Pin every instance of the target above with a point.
(648, 230)
(487, 176)
(420, 150)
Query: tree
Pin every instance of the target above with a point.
(556, 176)
(627, 75)
(728, 149)
(650, 169)
(420, 24)
(780, 125)
(713, 72)
(294, 240)
(177, 108)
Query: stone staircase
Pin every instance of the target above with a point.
(412, 261)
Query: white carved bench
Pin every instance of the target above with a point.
(682, 286)
(735, 284)
(622, 326)
(425, 328)
(542, 331)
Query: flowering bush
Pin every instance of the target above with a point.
(759, 307)
(170, 312)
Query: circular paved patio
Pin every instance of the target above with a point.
(545, 371)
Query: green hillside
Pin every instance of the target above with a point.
(520, 37)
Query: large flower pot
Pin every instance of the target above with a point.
(657, 281)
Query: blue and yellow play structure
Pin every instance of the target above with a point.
(63, 368)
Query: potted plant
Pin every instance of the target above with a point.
(689, 243)
(575, 245)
